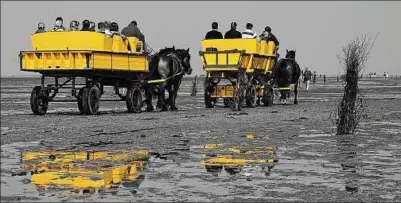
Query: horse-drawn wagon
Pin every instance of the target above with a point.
(99, 60)
(246, 67)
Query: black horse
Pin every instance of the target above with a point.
(285, 73)
(169, 64)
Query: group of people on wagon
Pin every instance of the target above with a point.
(106, 27)
(247, 33)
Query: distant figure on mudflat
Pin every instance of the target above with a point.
(268, 36)
(74, 25)
(307, 77)
(214, 34)
(233, 33)
(248, 32)
(314, 77)
(59, 24)
(41, 28)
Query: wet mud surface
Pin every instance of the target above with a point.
(279, 153)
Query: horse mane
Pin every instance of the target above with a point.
(167, 50)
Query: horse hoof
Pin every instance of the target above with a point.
(164, 108)
(149, 109)
(173, 109)
(295, 102)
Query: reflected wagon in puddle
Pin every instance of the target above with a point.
(237, 160)
(86, 172)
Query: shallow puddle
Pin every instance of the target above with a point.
(233, 167)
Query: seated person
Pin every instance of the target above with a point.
(114, 28)
(92, 26)
(248, 32)
(85, 25)
(107, 31)
(74, 25)
(268, 36)
(41, 28)
(101, 27)
(59, 24)
(132, 30)
(233, 33)
(214, 34)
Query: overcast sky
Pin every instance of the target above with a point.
(317, 30)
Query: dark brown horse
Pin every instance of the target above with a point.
(285, 73)
(169, 64)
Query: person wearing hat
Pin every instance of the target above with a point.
(59, 24)
(233, 33)
(41, 28)
(248, 32)
(214, 34)
(268, 36)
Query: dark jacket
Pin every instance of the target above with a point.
(133, 31)
(232, 34)
(214, 34)
(307, 75)
(40, 31)
(269, 37)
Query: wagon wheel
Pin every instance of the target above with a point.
(134, 100)
(79, 100)
(209, 101)
(251, 96)
(90, 100)
(268, 95)
(39, 100)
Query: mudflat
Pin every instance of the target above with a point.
(279, 153)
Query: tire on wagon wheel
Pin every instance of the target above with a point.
(268, 95)
(39, 101)
(90, 100)
(251, 96)
(134, 100)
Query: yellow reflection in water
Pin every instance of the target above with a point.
(233, 159)
(84, 169)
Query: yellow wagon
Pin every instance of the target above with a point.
(99, 59)
(246, 64)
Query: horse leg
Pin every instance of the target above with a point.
(170, 99)
(161, 103)
(148, 101)
(175, 93)
(296, 93)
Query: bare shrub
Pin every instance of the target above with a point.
(353, 58)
